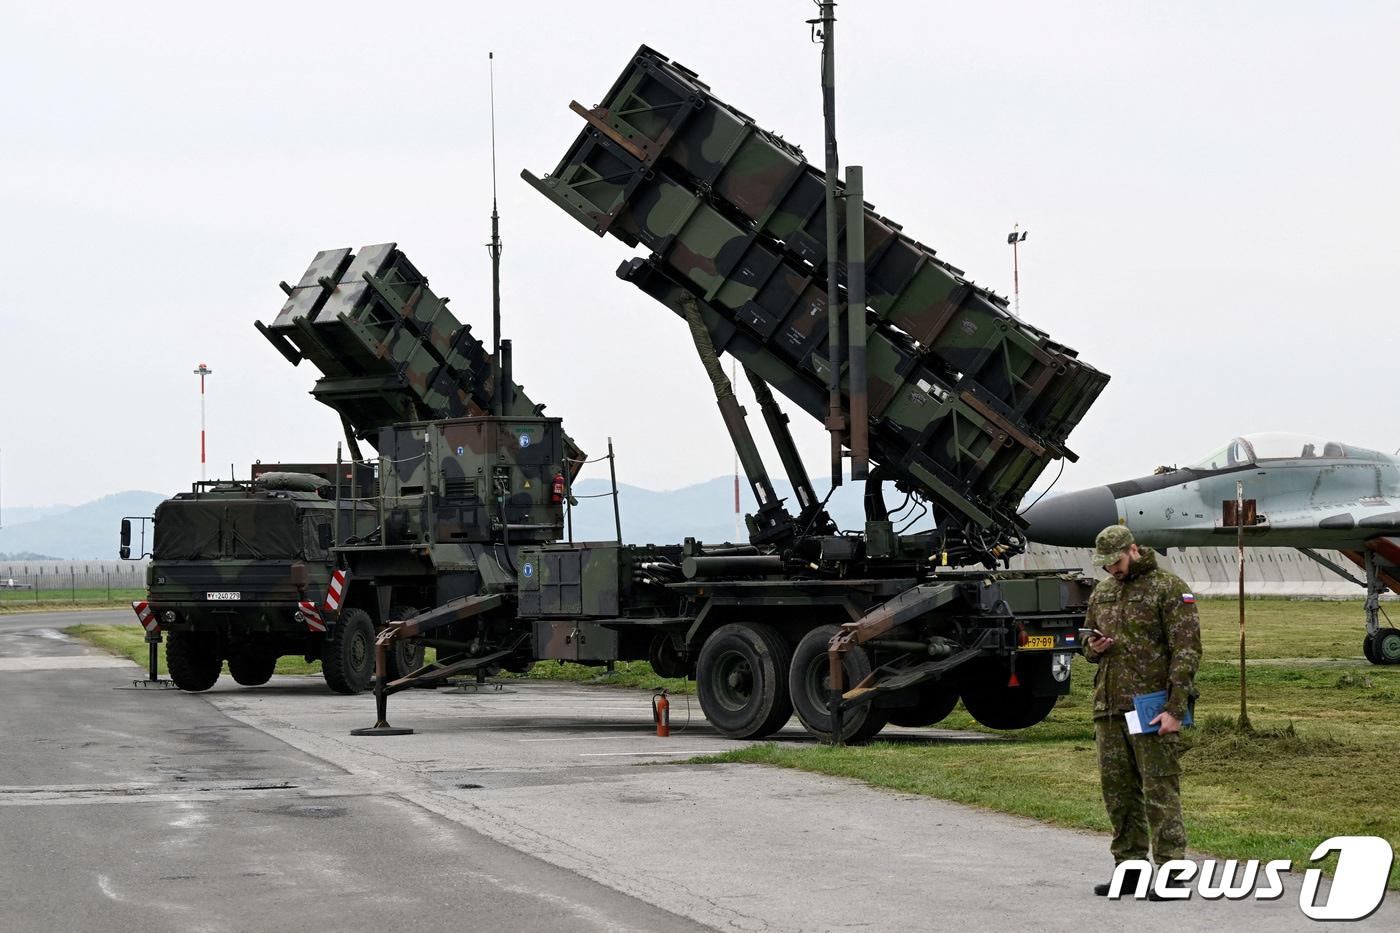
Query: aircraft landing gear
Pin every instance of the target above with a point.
(1383, 647)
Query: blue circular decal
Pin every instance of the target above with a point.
(524, 440)
(528, 570)
(461, 450)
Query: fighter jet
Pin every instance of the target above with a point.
(1299, 491)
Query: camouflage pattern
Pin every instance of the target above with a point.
(1156, 633)
(965, 401)
(1111, 544)
(1141, 780)
(390, 349)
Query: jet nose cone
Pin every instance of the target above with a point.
(1073, 519)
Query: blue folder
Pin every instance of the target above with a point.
(1148, 705)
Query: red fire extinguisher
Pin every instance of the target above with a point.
(556, 496)
(661, 712)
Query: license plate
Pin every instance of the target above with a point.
(1039, 643)
(223, 596)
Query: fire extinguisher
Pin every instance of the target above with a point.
(556, 495)
(661, 712)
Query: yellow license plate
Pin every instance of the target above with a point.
(1039, 643)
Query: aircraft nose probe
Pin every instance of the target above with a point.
(1071, 519)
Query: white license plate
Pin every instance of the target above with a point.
(227, 596)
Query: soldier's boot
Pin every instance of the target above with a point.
(1131, 879)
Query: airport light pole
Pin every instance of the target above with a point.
(1016, 237)
(201, 372)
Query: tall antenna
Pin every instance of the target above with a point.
(498, 390)
(1015, 238)
(824, 31)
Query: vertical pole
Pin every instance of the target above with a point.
(835, 418)
(1239, 550)
(498, 390)
(1016, 268)
(612, 472)
(339, 465)
(73, 585)
(569, 498)
(855, 321)
(201, 372)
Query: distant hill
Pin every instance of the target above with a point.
(85, 531)
(19, 515)
(703, 510)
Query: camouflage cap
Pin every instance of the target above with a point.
(1110, 544)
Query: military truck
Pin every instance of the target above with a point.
(957, 403)
(241, 571)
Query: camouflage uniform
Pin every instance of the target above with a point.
(1152, 619)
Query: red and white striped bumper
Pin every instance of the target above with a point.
(336, 593)
(312, 615)
(146, 616)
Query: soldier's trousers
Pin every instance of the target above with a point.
(1141, 780)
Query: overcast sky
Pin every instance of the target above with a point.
(1209, 188)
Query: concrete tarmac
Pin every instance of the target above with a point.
(562, 791)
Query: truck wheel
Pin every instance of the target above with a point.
(252, 667)
(347, 660)
(1387, 646)
(405, 656)
(936, 701)
(811, 688)
(742, 679)
(193, 659)
(665, 657)
(1000, 707)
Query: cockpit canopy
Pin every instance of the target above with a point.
(1278, 445)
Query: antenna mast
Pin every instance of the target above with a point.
(498, 390)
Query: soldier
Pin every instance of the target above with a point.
(1147, 638)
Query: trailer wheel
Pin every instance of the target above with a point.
(742, 679)
(936, 701)
(406, 656)
(1000, 707)
(193, 659)
(347, 661)
(1387, 646)
(252, 667)
(811, 687)
(665, 656)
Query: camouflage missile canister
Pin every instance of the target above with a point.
(965, 399)
(389, 348)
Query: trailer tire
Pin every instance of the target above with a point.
(405, 656)
(742, 680)
(809, 677)
(347, 661)
(936, 701)
(252, 667)
(193, 660)
(1001, 707)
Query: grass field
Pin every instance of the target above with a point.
(60, 597)
(1327, 724)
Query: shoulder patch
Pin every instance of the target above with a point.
(1188, 598)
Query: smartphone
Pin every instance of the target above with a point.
(1087, 633)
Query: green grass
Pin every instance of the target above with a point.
(1318, 764)
(45, 600)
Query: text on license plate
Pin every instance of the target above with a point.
(1039, 642)
(225, 595)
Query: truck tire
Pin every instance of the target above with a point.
(811, 687)
(936, 701)
(405, 657)
(193, 660)
(1000, 707)
(347, 661)
(252, 667)
(742, 680)
(665, 656)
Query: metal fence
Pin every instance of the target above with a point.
(72, 582)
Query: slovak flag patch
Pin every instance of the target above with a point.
(1188, 598)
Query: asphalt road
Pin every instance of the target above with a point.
(132, 809)
(537, 807)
